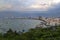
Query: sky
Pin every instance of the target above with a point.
(29, 5)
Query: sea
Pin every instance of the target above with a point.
(17, 24)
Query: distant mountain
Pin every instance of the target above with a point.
(28, 14)
(10, 14)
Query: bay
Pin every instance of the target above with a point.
(17, 24)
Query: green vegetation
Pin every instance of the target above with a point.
(33, 34)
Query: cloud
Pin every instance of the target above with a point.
(24, 5)
(55, 9)
(7, 6)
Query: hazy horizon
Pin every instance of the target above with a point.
(30, 8)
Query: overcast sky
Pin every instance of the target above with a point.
(29, 5)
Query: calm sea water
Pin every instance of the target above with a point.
(17, 24)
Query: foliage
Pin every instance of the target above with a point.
(33, 34)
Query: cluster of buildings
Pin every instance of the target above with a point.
(48, 22)
(53, 21)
